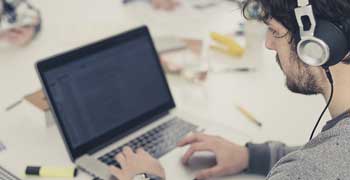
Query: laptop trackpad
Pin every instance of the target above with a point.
(94, 167)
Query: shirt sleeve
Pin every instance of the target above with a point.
(262, 157)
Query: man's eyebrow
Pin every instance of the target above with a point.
(274, 25)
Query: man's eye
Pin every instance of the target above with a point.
(274, 33)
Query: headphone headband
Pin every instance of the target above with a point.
(303, 3)
(304, 9)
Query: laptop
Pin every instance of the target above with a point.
(111, 94)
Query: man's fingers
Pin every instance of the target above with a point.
(194, 148)
(190, 139)
(207, 173)
(128, 152)
(115, 171)
(121, 160)
(141, 151)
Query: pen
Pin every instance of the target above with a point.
(127, 1)
(249, 116)
(14, 105)
(243, 69)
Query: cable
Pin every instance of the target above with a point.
(330, 79)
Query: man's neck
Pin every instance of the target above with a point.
(341, 98)
(338, 106)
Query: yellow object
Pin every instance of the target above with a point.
(57, 172)
(249, 116)
(67, 172)
(228, 45)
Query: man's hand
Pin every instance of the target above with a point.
(165, 4)
(136, 163)
(230, 158)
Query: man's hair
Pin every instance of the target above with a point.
(336, 11)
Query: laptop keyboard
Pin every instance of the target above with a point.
(157, 141)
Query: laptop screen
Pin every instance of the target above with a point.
(103, 92)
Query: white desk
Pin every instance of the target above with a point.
(68, 24)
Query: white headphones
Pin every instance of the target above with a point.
(322, 42)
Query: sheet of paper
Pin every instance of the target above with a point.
(38, 99)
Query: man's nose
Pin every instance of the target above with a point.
(269, 44)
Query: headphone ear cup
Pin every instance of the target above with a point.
(336, 40)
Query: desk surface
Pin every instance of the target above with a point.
(68, 24)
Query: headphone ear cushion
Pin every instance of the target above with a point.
(336, 40)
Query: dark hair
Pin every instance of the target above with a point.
(337, 11)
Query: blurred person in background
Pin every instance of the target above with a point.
(20, 22)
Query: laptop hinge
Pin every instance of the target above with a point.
(93, 167)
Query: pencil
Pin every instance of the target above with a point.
(249, 116)
(15, 104)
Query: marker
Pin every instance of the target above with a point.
(249, 116)
(68, 172)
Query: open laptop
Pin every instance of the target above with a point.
(111, 94)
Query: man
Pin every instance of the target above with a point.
(326, 156)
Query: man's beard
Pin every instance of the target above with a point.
(303, 82)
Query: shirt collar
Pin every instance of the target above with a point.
(334, 121)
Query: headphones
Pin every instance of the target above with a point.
(322, 43)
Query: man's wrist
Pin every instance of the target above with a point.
(246, 158)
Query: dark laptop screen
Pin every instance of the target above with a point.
(108, 90)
